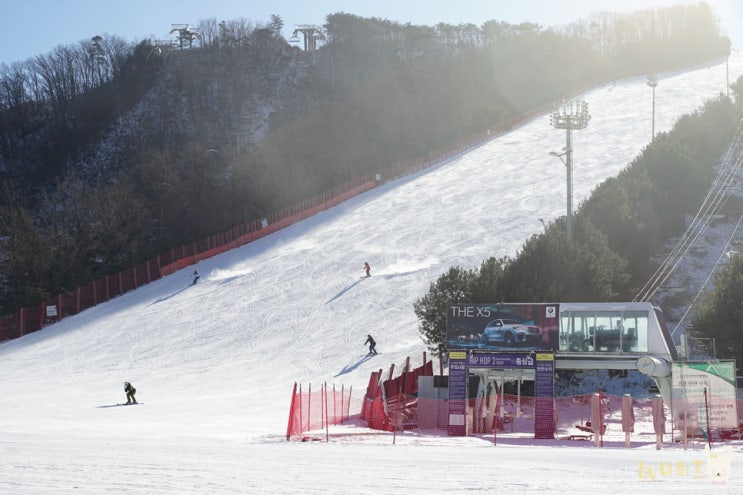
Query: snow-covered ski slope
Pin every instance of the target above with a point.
(215, 363)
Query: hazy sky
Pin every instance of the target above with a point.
(34, 27)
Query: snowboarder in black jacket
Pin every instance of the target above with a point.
(130, 391)
(196, 277)
(372, 344)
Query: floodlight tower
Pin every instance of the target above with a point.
(570, 116)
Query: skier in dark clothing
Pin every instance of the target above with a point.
(367, 269)
(372, 344)
(130, 391)
(196, 277)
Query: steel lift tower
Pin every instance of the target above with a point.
(311, 33)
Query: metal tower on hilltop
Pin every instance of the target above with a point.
(186, 35)
(311, 33)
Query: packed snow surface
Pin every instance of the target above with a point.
(214, 364)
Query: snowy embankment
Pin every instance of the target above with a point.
(214, 364)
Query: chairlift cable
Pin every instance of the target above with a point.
(685, 244)
(719, 201)
(709, 276)
(713, 202)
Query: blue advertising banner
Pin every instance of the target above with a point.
(500, 360)
(457, 393)
(544, 390)
(503, 327)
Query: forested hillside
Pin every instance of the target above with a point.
(111, 153)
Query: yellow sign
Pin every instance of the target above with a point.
(545, 357)
(458, 355)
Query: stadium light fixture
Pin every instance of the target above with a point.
(569, 116)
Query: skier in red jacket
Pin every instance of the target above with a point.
(367, 269)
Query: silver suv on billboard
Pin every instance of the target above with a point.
(510, 332)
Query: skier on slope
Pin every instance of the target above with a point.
(372, 344)
(367, 268)
(130, 391)
(196, 277)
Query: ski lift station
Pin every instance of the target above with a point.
(528, 345)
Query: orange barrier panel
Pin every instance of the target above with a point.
(317, 410)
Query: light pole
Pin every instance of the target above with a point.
(569, 190)
(572, 116)
(728, 44)
(653, 82)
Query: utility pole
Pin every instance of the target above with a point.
(570, 116)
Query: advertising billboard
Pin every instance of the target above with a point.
(503, 327)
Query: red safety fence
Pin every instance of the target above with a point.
(317, 410)
(374, 405)
(603, 419)
(394, 405)
(394, 397)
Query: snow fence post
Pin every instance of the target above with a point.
(706, 411)
(596, 419)
(335, 415)
(291, 412)
(659, 420)
(495, 420)
(327, 426)
(323, 405)
(301, 418)
(347, 409)
(309, 404)
(628, 418)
